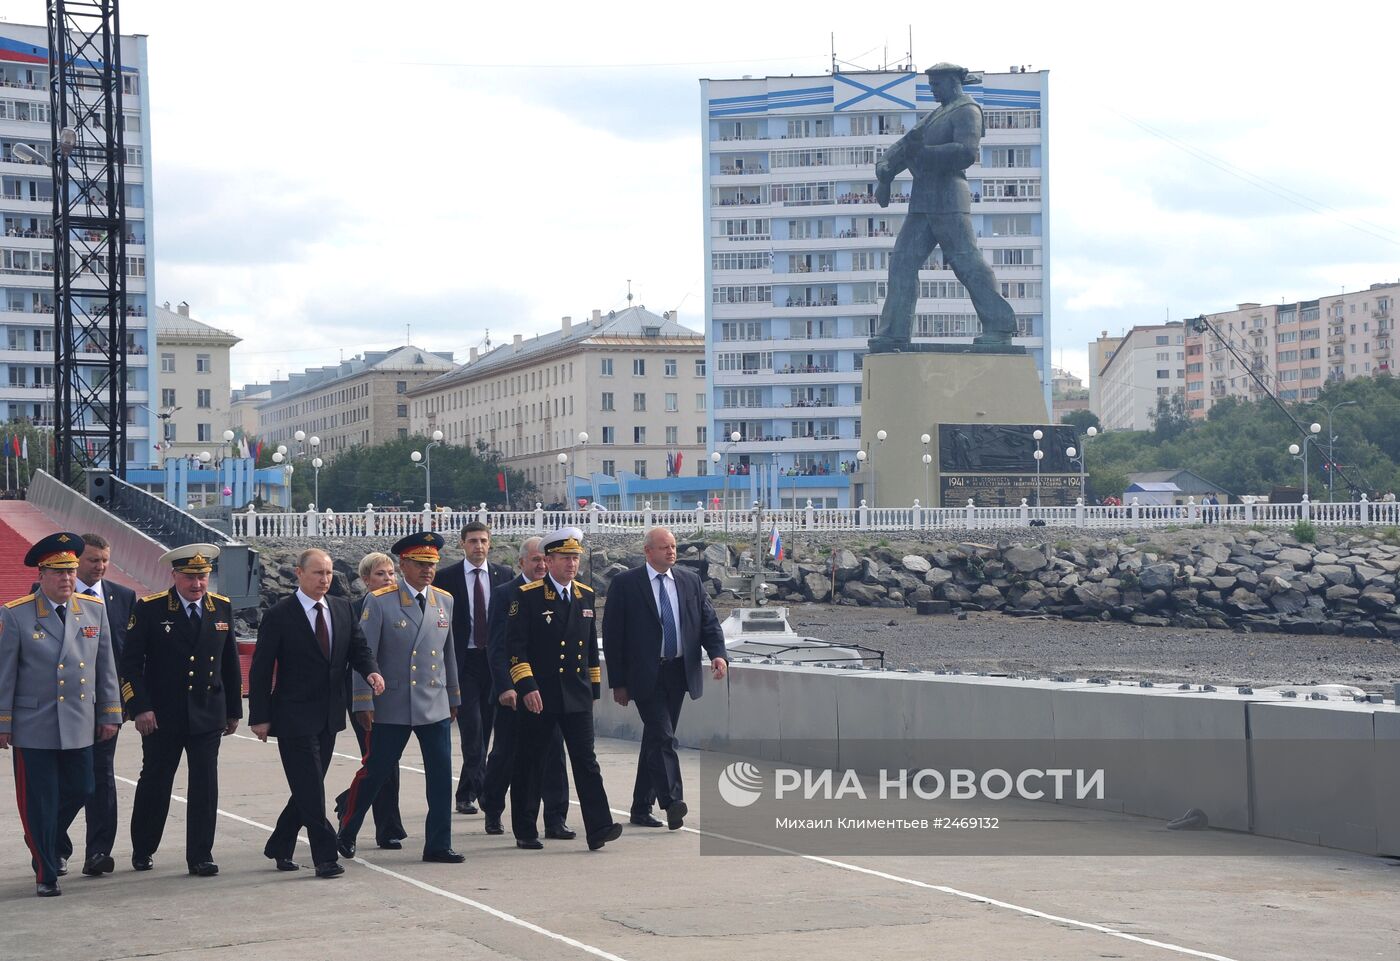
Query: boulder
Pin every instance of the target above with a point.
(1295, 556)
(1215, 551)
(988, 596)
(1157, 577)
(863, 594)
(1371, 575)
(1245, 602)
(956, 593)
(1030, 600)
(1335, 573)
(916, 564)
(1096, 597)
(1339, 592)
(816, 586)
(1025, 560)
(937, 576)
(1289, 602)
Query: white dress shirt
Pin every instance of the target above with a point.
(309, 606)
(95, 588)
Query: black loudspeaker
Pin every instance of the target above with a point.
(99, 487)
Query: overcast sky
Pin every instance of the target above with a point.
(326, 175)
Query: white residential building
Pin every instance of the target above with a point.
(194, 382)
(1149, 363)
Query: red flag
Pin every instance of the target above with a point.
(679, 457)
(500, 480)
(14, 442)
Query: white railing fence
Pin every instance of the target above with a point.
(944, 520)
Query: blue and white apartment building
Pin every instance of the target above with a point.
(797, 253)
(27, 243)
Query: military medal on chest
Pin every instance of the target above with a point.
(168, 625)
(549, 617)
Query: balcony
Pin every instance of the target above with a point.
(1335, 334)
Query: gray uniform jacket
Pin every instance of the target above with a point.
(414, 651)
(58, 678)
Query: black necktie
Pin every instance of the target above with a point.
(323, 635)
(62, 613)
(422, 603)
(478, 612)
(193, 611)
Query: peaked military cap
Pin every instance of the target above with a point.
(191, 559)
(566, 540)
(425, 546)
(57, 552)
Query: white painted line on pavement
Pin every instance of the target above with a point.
(431, 889)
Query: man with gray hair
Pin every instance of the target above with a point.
(555, 786)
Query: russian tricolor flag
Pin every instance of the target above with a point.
(775, 548)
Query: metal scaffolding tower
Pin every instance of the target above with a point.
(89, 219)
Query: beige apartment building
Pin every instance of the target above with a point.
(1099, 353)
(1149, 363)
(358, 402)
(632, 381)
(1294, 349)
(194, 384)
(243, 408)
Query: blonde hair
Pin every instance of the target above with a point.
(372, 560)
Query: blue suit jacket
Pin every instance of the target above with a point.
(496, 655)
(632, 631)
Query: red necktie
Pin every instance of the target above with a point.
(323, 634)
(478, 612)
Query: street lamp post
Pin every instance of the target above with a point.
(1313, 431)
(316, 465)
(1331, 442)
(881, 436)
(861, 458)
(583, 464)
(926, 439)
(563, 460)
(716, 457)
(1039, 455)
(425, 461)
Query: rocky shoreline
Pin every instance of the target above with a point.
(1197, 578)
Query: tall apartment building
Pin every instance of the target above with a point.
(243, 407)
(358, 402)
(1295, 349)
(797, 251)
(633, 381)
(1149, 363)
(1099, 353)
(27, 244)
(194, 382)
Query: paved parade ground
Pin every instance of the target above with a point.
(652, 895)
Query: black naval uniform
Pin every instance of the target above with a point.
(190, 677)
(553, 649)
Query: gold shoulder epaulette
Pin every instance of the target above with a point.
(385, 590)
(583, 587)
(219, 597)
(155, 597)
(20, 600)
(440, 590)
(531, 586)
(93, 598)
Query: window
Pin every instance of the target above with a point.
(608, 400)
(702, 436)
(639, 402)
(204, 398)
(167, 363)
(403, 410)
(639, 367)
(609, 435)
(673, 403)
(670, 367)
(203, 363)
(639, 467)
(401, 387)
(1162, 341)
(204, 433)
(701, 401)
(605, 366)
(700, 368)
(167, 396)
(673, 436)
(639, 435)
(1164, 374)
(610, 467)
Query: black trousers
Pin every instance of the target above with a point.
(160, 759)
(474, 721)
(388, 823)
(658, 766)
(305, 760)
(101, 808)
(50, 787)
(534, 734)
(500, 765)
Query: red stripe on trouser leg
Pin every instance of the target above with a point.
(22, 797)
(354, 793)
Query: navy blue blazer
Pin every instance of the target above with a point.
(632, 631)
(498, 616)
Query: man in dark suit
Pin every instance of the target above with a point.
(101, 807)
(471, 582)
(657, 620)
(311, 641)
(182, 686)
(555, 784)
(552, 642)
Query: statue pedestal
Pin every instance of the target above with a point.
(910, 394)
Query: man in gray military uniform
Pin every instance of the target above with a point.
(409, 630)
(58, 694)
(938, 151)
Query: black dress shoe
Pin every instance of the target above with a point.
(47, 890)
(141, 862)
(602, 836)
(675, 815)
(345, 845)
(445, 856)
(493, 824)
(99, 864)
(560, 832)
(466, 807)
(286, 864)
(388, 844)
(529, 844)
(204, 869)
(62, 867)
(645, 820)
(329, 869)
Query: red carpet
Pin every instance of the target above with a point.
(15, 578)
